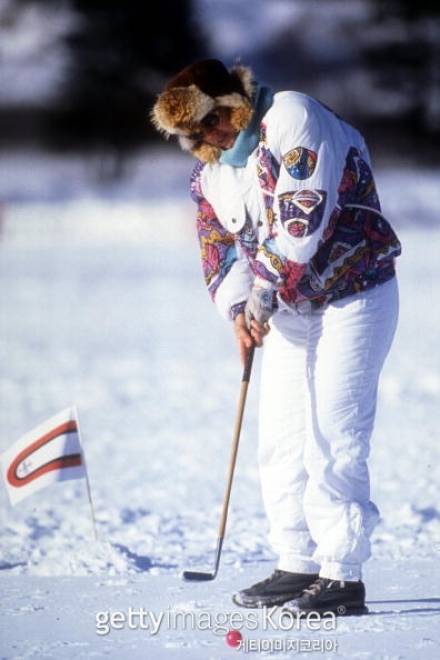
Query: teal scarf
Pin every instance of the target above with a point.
(248, 139)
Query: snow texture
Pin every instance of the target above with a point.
(103, 306)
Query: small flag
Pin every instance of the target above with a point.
(50, 452)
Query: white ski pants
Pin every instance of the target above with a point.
(319, 380)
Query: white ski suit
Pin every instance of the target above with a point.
(303, 218)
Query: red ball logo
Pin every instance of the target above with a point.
(233, 638)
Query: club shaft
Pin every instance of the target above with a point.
(219, 552)
(194, 575)
(234, 449)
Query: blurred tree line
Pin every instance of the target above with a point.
(406, 60)
(377, 63)
(122, 52)
(384, 72)
(118, 54)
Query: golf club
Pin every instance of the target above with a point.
(200, 576)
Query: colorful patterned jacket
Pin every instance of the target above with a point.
(303, 217)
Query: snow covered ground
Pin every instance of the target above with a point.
(103, 305)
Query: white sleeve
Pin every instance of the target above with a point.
(303, 142)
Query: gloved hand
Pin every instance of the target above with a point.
(260, 305)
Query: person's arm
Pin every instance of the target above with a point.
(225, 269)
(299, 139)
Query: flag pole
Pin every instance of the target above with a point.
(89, 492)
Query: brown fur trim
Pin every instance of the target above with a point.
(231, 100)
(241, 117)
(186, 143)
(246, 77)
(207, 153)
(180, 107)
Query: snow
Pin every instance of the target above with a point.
(401, 623)
(103, 306)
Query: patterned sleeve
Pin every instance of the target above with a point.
(226, 273)
(303, 193)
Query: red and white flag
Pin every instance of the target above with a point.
(50, 452)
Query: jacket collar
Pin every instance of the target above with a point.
(248, 139)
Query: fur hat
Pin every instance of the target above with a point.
(196, 91)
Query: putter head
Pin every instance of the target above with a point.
(197, 576)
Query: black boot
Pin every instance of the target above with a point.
(326, 595)
(280, 587)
